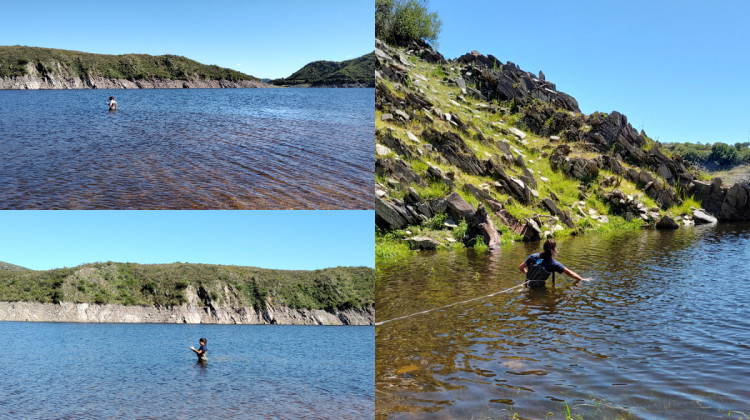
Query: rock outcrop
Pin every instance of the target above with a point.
(53, 82)
(725, 203)
(184, 314)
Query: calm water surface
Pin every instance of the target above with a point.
(147, 371)
(184, 148)
(662, 331)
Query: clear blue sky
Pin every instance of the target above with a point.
(679, 69)
(281, 239)
(262, 38)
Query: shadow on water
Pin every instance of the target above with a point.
(660, 330)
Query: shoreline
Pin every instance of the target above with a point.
(183, 314)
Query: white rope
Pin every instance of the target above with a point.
(449, 305)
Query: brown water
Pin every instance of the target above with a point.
(662, 331)
(187, 149)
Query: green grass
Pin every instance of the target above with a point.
(390, 249)
(167, 285)
(435, 189)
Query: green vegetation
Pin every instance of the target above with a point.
(360, 71)
(169, 285)
(15, 61)
(713, 156)
(399, 22)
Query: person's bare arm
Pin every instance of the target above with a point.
(522, 267)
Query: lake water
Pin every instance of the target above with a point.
(187, 149)
(148, 371)
(662, 331)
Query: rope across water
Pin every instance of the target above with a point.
(449, 305)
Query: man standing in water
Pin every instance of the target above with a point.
(538, 267)
(112, 103)
(202, 350)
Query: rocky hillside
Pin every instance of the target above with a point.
(495, 153)
(215, 293)
(357, 72)
(11, 267)
(47, 68)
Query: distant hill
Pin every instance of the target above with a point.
(17, 61)
(168, 285)
(11, 267)
(356, 72)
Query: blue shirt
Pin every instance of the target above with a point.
(550, 264)
(203, 349)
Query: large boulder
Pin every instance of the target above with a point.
(736, 205)
(666, 222)
(700, 217)
(481, 225)
(422, 242)
(388, 216)
(457, 208)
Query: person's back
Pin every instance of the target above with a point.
(539, 268)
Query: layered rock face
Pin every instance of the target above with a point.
(185, 314)
(52, 82)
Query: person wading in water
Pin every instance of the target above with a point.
(202, 350)
(112, 103)
(538, 267)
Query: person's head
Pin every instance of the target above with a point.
(111, 98)
(550, 248)
(203, 341)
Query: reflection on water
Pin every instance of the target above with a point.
(661, 332)
(180, 148)
(72, 371)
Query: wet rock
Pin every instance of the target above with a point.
(701, 217)
(736, 205)
(481, 225)
(666, 222)
(423, 243)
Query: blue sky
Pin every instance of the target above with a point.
(677, 68)
(293, 240)
(262, 38)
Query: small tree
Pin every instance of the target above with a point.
(400, 22)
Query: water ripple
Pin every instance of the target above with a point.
(180, 149)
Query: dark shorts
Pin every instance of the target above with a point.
(536, 284)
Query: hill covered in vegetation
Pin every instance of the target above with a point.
(356, 72)
(34, 67)
(477, 152)
(169, 285)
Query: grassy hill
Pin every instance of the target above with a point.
(15, 61)
(167, 285)
(334, 73)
